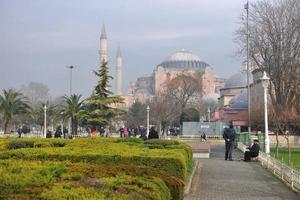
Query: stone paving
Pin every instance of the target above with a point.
(216, 179)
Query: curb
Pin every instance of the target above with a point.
(188, 186)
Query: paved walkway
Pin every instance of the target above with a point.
(216, 179)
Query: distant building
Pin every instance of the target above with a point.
(144, 88)
(233, 100)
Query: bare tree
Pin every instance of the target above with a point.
(36, 92)
(274, 39)
(164, 109)
(182, 89)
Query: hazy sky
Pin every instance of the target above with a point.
(39, 38)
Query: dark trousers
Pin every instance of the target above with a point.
(249, 154)
(229, 145)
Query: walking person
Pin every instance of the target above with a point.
(229, 137)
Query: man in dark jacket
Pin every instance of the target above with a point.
(253, 151)
(153, 134)
(229, 137)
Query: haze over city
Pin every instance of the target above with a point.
(40, 38)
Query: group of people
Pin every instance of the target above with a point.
(59, 133)
(141, 132)
(128, 132)
(230, 143)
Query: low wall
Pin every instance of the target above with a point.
(209, 128)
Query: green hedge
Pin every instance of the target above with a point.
(174, 159)
(167, 160)
(57, 180)
(172, 144)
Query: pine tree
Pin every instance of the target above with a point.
(97, 110)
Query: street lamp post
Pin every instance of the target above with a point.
(45, 120)
(265, 82)
(246, 6)
(148, 110)
(208, 114)
(62, 123)
(71, 68)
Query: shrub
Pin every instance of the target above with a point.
(173, 161)
(48, 180)
(175, 185)
(58, 143)
(20, 144)
(172, 144)
(25, 129)
(167, 160)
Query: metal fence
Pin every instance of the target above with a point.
(286, 173)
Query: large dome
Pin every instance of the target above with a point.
(182, 55)
(236, 80)
(183, 59)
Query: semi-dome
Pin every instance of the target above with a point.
(237, 80)
(240, 101)
(183, 59)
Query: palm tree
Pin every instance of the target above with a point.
(71, 109)
(12, 103)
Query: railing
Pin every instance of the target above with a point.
(287, 174)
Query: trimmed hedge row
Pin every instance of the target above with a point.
(172, 166)
(167, 160)
(174, 160)
(175, 185)
(54, 180)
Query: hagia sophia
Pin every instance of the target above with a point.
(231, 93)
(176, 63)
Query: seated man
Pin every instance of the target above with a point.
(253, 151)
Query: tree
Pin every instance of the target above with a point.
(12, 103)
(163, 111)
(184, 89)
(98, 110)
(181, 89)
(189, 115)
(37, 114)
(274, 41)
(136, 114)
(36, 92)
(208, 104)
(72, 108)
(274, 37)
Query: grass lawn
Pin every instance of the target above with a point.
(283, 154)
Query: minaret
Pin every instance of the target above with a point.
(103, 46)
(119, 69)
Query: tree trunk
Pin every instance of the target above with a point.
(159, 131)
(6, 126)
(289, 148)
(277, 145)
(74, 126)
